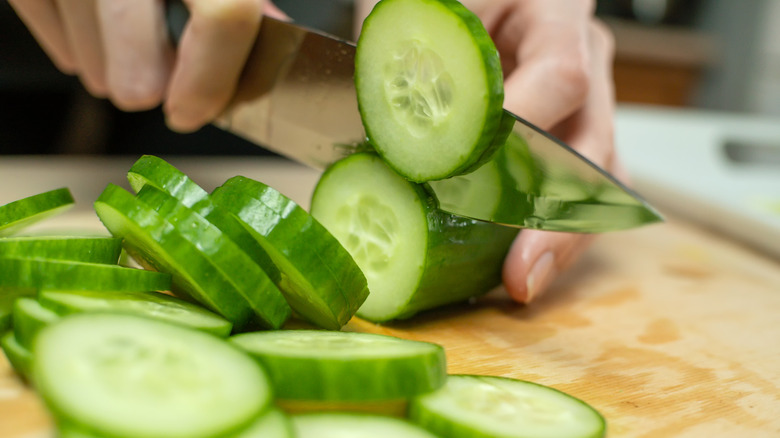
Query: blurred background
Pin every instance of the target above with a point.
(712, 54)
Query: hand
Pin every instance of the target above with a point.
(120, 51)
(557, 62)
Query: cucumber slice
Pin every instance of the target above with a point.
(155, 243)
(345, 366)
(150, 304)
(9, 295)
(29, 318)
(20, 358)
(159, 173)
(63, 274)
(320, 280)
(24, 212)
(429, 87)
(123, 375)
(346, 425)
(77, 249)
(272, 424)
(498, 407)
(246, 276)
(414, 256)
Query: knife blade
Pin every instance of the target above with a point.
(296, 96)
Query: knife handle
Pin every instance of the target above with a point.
(176, 17)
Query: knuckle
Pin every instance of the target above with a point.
(573, 75)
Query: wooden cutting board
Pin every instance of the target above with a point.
(668, 330)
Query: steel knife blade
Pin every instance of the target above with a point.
(296, 96)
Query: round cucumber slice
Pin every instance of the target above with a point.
(429, 87)
(150, 304)
(272, 424)
(18, 356)
(154, 171)
(155, 243)
(74, 248)
(498, 407)
(123, 375)
(348, 425)
(63, 274)
(157, 172)
(24, 212)
(248, 278)
(321, 281)
(29, 318)
(345, 366)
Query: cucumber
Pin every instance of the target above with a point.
(154, 171)
(320, 280)
(156, 244)
(24, 212)
(63, 274)
(9, 295)
(345, 366)
(414, 256)
(271, 424)
(77, 249)
(429, 87)
(128, 376)
(150, 304)
(20, 358)
(498, 407)
(157, 172)
(29, 318)
(250, 281)
(350, 425)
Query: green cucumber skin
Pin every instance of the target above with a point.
(301, 248)
(302, 376)
(164, 176)
(19, 357)
(161, 243)
(9, 295)
(24, 212)
(154, 305)
(494, 124)
(464, 258)
(56, 274)
(248, 278)
(153, 170)
(78, 249)
(29, 318)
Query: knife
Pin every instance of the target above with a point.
(296, 96)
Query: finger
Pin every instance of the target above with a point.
(547, 73)
(537, 256)
(84, 38)
(138, 56)
(212, 53)
(43, 20)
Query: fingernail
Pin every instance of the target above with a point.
(540, 275)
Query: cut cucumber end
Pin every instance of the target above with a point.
(429, 87)
(379, 218)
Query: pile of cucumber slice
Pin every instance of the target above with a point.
(189, 345)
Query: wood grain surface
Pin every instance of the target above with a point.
(668, 330)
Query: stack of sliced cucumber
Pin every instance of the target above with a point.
(113, 356)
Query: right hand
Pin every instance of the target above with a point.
(120, 50)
